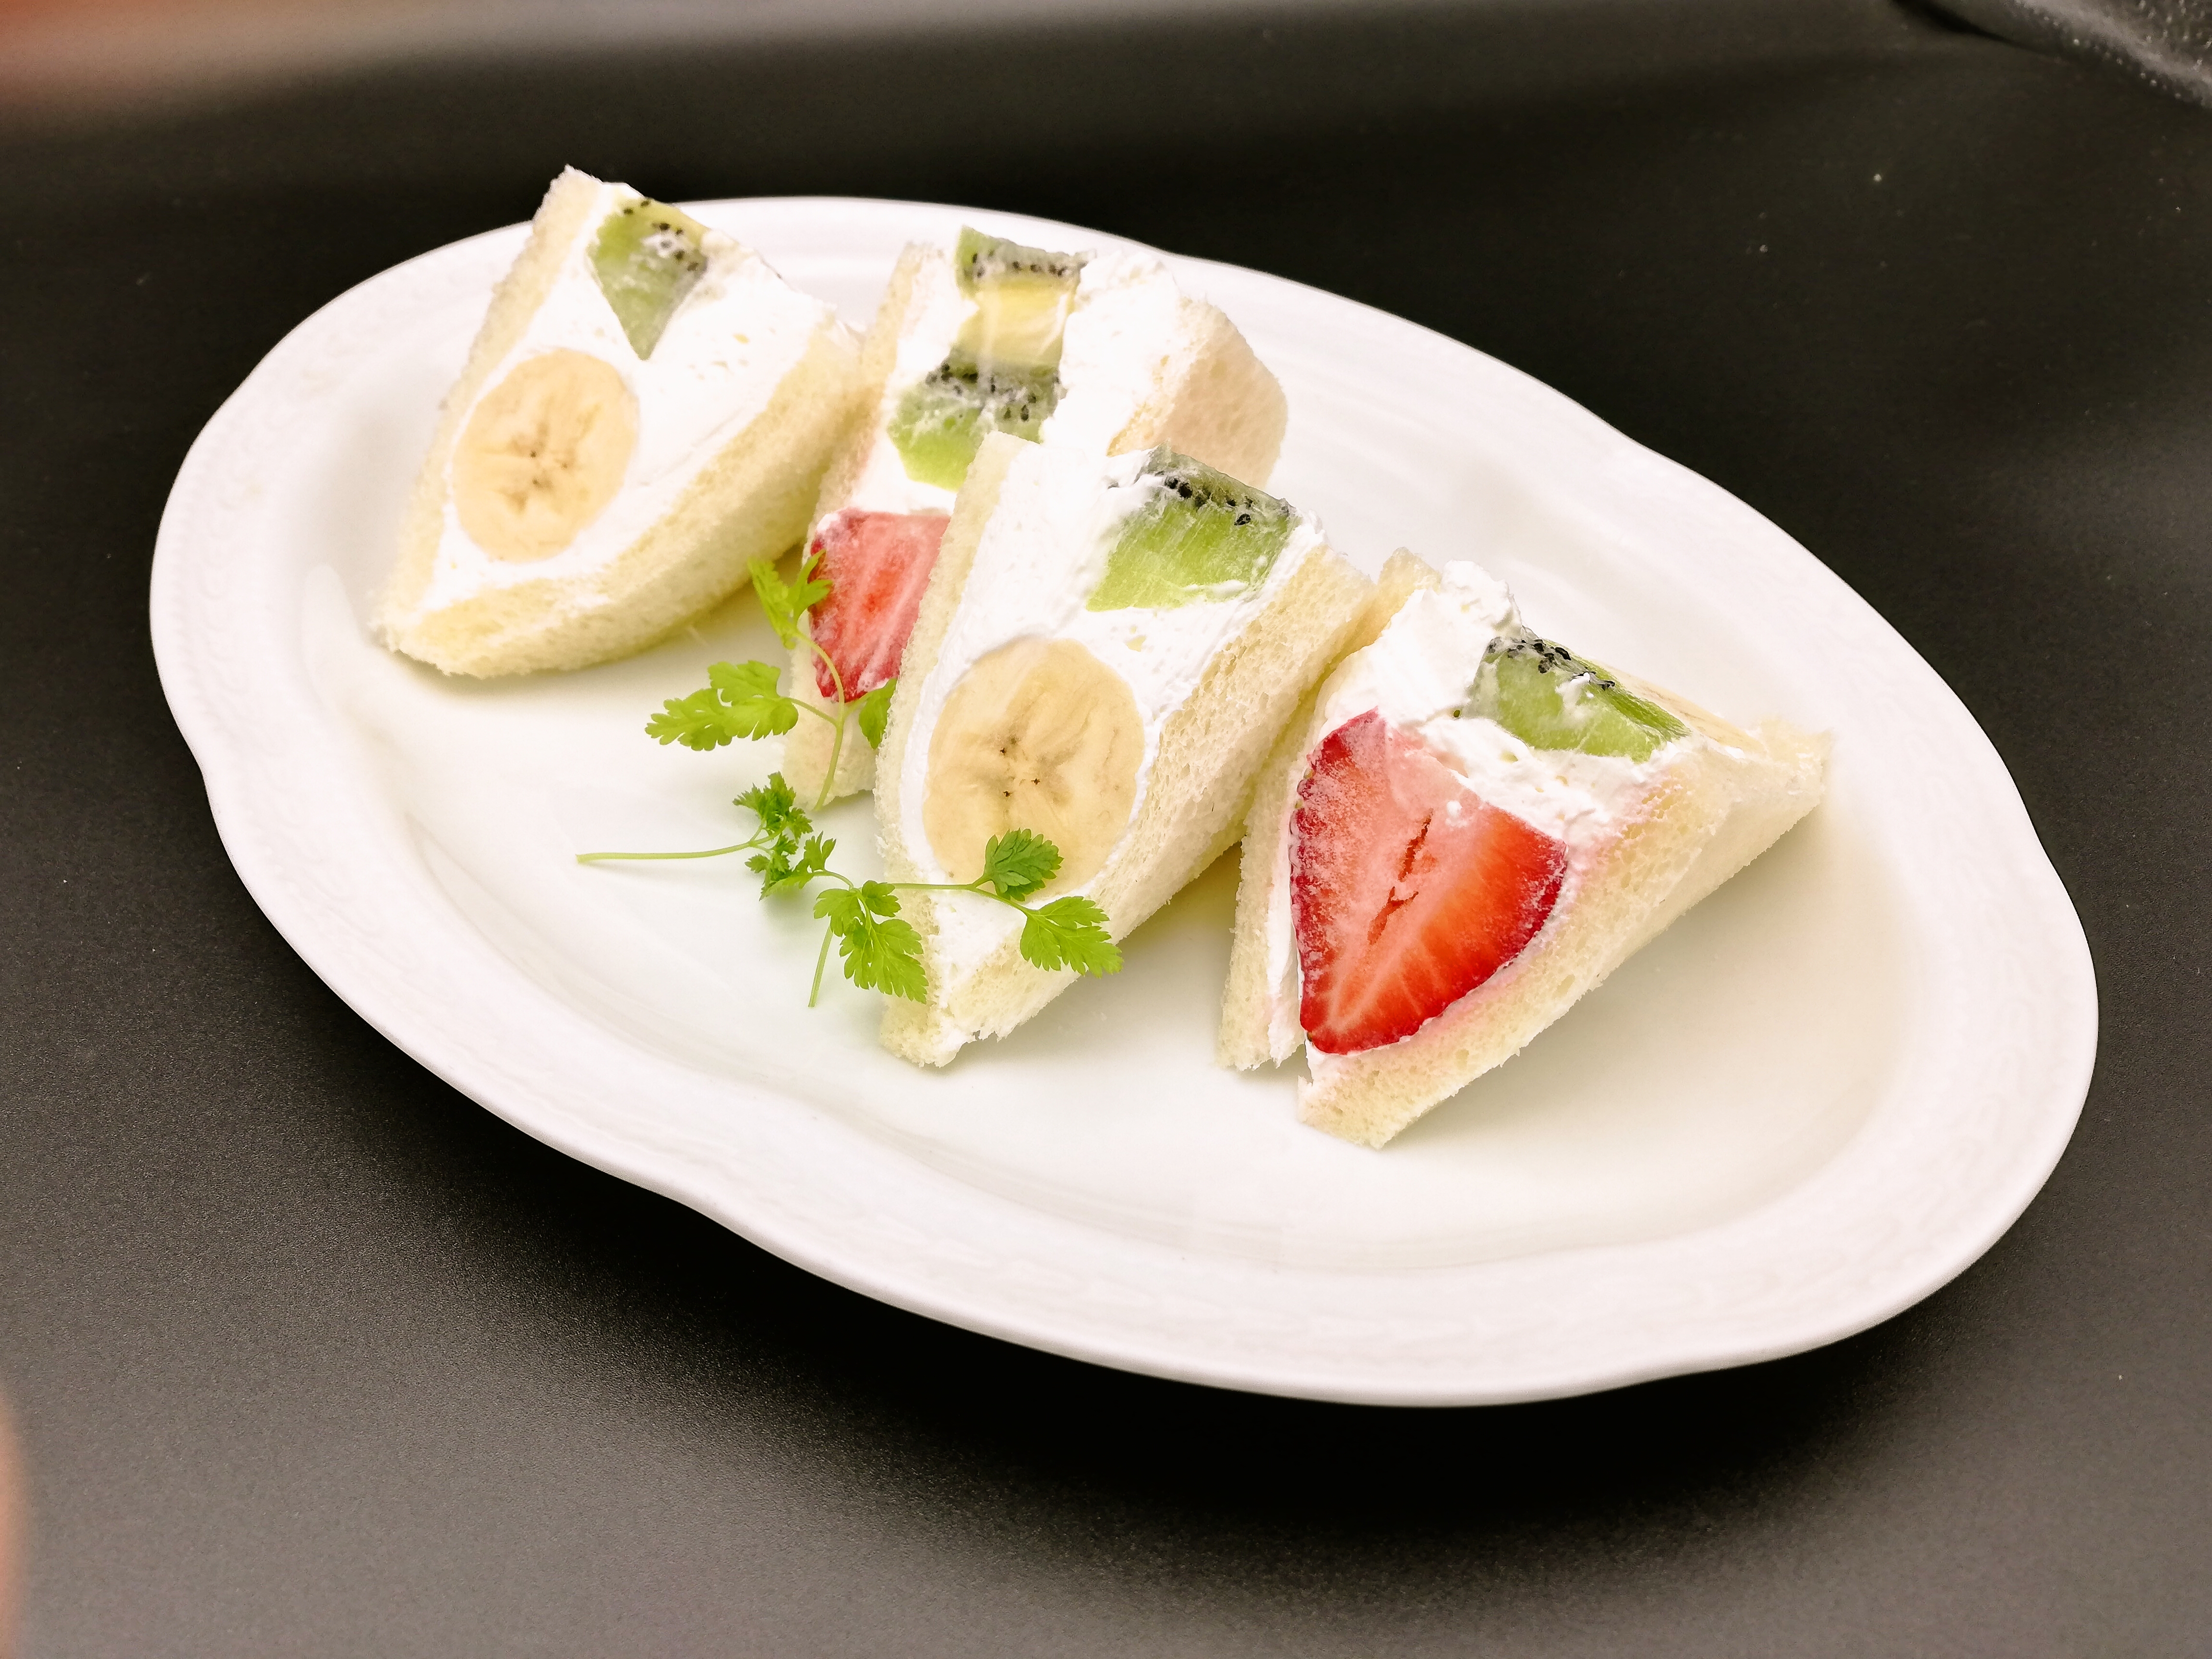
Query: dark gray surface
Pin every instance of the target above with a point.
(312, 1356)
(2167, 44)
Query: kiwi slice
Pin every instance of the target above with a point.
(1197, 537)
(1550, 698)
(940, 424)
(1003, 372)
(1022, 296)
(647, 257)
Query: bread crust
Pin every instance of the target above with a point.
(918, 1032)
(560, 218)
(1216, 402)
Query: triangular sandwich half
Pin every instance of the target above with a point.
(1100, 351)
(1466, 832)
(646, 408)
(1106, 652)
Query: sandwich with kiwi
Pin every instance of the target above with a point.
(646, 409)
(1106, 651)
(1468, 830)
(1098, 351)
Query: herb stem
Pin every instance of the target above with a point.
(710, 853)
(981, 886)
(837, 723)
(820, 960)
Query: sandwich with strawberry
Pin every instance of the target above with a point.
(1466, 828)
(1100, 352)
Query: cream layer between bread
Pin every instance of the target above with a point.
(1126, 325)
(1040, 555)
(1417, 674)
(934, 311)
(729, 345)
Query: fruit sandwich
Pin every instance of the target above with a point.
(1106, 650)
(647, 406)
(1470, 828)
(1100, 352)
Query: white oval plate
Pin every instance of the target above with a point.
(1813, 1102)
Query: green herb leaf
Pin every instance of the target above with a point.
(880, 951)
(791, 860)
(1019, 862)
(774, 867)
(795, 865)
(756, 708)
(842, 908)
(776, 806)
(784, 603)
(740, 701)
(701, 721)
(874, 710)
(1070, 932)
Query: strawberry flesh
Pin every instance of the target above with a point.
(1408, 890)
(877, 565)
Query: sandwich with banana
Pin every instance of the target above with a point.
(646, 409)
(1100, 352)
(1468, 830)
(1106, 649)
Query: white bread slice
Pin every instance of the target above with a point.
(1718, 798)
(1207, 749)
(1145, 365)
(740, 407)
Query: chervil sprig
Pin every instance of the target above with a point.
(878, 950)
(742, 700)
(785, 602)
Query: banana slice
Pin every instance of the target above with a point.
(1038, 735)
(543, 453)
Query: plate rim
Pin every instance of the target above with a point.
(187, 603)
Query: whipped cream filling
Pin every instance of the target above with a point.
(727, 348)
(1041, 554)
(935, 310)
(1417, 674)
(1124, 326)
(1127, 329)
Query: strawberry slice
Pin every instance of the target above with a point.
(877, 565)
(1408, 890)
